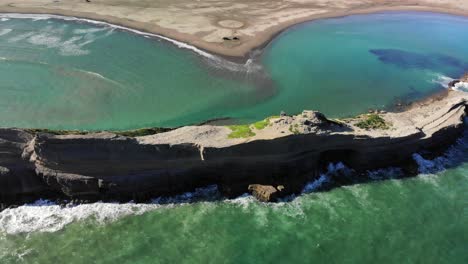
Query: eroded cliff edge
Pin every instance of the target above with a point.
(285, 151)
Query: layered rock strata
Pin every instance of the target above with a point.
(285, 151)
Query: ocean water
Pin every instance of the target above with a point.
(390, 220)
(393, 219)
(72, 74)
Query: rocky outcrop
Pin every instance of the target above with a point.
(266, 193)
(457, 82)
(289, 151)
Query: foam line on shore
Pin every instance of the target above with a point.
(46, 216)
(96, 22)
(216, 60)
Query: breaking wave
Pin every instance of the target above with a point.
(5, 31)
(214, 60)
(461, 86)
(445, 80)
(47, 216)
(442, 80)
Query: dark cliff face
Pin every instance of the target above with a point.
(18, 181)
(106, 166)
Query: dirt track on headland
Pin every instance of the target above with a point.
(206, 23)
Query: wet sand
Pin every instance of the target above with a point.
(229, 28)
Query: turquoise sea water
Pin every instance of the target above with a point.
(391, 220)
(77, 75)
(415, 220)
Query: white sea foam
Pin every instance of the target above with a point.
(88, 30)
(216, 61)
(46, 216)
(242, 201)
(332, 169)
(68, 47)
(20, 37)
(5, 31)
(453, 156)
(45, 40)
(461, 86)
(102, 23)
(445, 80)
(442, 80)
(3, 19)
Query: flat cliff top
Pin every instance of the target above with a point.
(227, 27)
(428, 117)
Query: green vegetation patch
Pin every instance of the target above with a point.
(264, 123)
(241, 131)
(373, 121)
(261, 124)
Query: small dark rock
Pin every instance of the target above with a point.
(453, 83)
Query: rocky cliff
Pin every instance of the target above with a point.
(282, 151)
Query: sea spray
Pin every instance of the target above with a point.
(455, 155)
(461, 86)
(48, 216)
(5, 31)
(443, 80)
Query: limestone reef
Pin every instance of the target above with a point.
(283, 151)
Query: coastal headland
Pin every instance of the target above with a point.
(278, 154)
(229, 28)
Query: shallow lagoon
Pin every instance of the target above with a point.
(76, 75)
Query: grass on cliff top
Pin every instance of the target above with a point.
(241, 131)
(373, 121)
(245, 131)
(263, 123)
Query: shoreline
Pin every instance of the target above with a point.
(281, 155)
(239, 54)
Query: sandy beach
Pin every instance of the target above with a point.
(230, 28)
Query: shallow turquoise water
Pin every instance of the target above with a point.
(416, 220)
(76, 75)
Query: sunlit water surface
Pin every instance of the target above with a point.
(71, 74)
(68, 75)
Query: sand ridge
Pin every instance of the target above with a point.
(227, 27)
